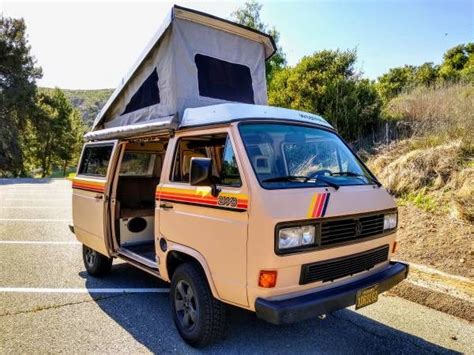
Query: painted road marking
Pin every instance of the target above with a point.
(81, 290)
(37, 242)
(33, 220)
(36, 199)
(31, 207)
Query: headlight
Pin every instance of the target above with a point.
(390, 221)
(294, 237)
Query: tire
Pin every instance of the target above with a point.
(96, 264)
(205, 321)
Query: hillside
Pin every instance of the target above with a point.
(431, 172)
(89, 102)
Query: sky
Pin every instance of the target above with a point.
(92, 45)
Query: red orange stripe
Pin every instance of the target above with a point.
(194, 198)
(318, 205)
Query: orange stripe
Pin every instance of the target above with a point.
(316, 205)
(320, 207)
(199, 199)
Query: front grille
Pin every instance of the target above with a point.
(351, 229)
(330, 270)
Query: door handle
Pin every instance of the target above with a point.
(166, 206)
(98, 197)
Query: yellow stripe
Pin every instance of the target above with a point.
(200, 192)
(311, 206)
(90, 182)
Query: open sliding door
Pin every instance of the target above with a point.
(91, 194)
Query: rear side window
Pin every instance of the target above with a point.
(224, 80)
(139, 164)
(95, 160)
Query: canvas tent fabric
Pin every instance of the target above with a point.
(194, 60)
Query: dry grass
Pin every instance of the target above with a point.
(447, 111)
(434, 169)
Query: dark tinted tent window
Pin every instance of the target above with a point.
(224, 80)
(95, 160)
(147, 95)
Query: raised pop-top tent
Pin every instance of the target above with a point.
(194, 60)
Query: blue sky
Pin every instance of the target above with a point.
(88, 45)
(385, 33)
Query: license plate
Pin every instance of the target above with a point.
(367, 296)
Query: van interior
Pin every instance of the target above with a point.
(139, 173)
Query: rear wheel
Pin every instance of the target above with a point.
(96, 264)
(198, 316)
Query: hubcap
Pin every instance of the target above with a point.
(90, 256)
(185, 305)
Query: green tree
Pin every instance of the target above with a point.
(457, 62)
(326, 83)
(249, 15)
(18, 74)
(55, 134)
(395, 82)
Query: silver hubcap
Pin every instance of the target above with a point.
(185, 305)
(90, 257)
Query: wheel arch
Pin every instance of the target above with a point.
(177, 255)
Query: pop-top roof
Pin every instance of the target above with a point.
(195, 59)
(208, 115)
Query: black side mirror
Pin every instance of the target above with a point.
(201, 174)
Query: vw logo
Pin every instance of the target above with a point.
(358, 228)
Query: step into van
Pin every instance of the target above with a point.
(189, 176)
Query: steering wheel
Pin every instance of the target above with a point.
(320, 172)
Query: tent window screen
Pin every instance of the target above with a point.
(147, 95)
(224, 80)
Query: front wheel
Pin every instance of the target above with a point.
(96, 264)
(198, 316)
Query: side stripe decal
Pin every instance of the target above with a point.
(318, 206)
(224, 200)
(87, 185)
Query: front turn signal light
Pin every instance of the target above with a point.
(267, 279)
(394, 247)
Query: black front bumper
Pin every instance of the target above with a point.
(329, 300)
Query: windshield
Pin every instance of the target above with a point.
(288, 156)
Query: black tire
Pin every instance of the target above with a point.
(209, 321)
(96, 264)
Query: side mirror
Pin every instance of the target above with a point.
(201, 174)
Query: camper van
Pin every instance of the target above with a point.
(188, 175)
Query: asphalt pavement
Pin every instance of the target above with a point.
(48, 303)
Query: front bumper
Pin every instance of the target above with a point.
(322, 302)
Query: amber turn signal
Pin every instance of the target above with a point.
(267, 279)
(394, 247)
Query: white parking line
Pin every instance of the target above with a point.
(37, 242)
(33, 220)
(82, 290)
(36, 199)
(32, 207)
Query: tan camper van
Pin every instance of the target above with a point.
(188, 175)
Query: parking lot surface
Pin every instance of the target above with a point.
(48, 303)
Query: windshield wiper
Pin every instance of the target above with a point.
(298, 177)
(322, 179)
(284, 178)
(351, 173)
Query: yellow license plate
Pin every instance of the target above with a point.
(367, 296)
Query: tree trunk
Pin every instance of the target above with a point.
(64, 168)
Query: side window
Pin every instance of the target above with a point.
(230, 175)
(218, 148)
(95, 160)
(139, 164)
